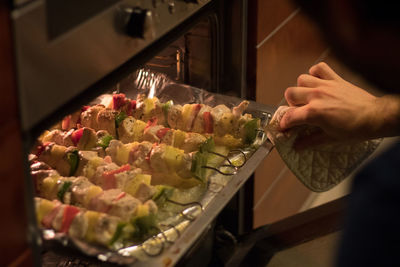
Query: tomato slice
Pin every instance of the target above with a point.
(118, 101)
(76, 136)
(69, 214)
(162, 132)
(208, 122)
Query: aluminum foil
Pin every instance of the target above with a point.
(200, 205)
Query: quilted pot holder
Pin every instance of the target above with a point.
(321, 167)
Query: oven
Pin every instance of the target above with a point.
(70, 52)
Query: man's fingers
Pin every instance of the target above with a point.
(297, 96)
(323, 71)
(294, 116)
(307, 80)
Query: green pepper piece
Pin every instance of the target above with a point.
(73, 160)
(104, 142)
(145, 227)
(162, 194)
(250, 129)
(201, 159)
(118, 233)
(165, 108)
(64, 188)
(120, 118)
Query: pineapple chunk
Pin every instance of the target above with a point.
(93, 191)
(142, 210)
(45, 206)
(92, 218)
(48, 186)
(90, 169)
(148, 105)
(178, 138)
(138, 129)
(173, 157)
(132, 186)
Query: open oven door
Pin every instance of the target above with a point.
(259, 247)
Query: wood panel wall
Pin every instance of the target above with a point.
(13, 224)
(283, 43)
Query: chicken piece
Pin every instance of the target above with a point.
(157, 161)
(116, 203)
(88, 140)
(84, 158)
(192, 142)
(79, 189)
(97, 178)
(174, 116)
(151, 134)
(144, 192)
(56, 157)
(79, 226)
(59, 137)
(239, 109)
(106, 121)
(89, 117)
(139, 155)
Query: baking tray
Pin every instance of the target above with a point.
(180, 232)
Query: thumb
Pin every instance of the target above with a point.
(294, 116)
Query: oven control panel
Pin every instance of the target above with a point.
(64, 47)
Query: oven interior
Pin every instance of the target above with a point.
(195, 58)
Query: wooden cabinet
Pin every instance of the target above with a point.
(13, 224)
(283, 43)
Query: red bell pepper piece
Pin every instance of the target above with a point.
(208, 122)
(65, 124)
(118, 101)
(133, 104)
(69, 214)
(76, 136)
(162, 132)
(151, 122)
(109, 181)
(120, 195)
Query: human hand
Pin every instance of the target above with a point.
(340, 110)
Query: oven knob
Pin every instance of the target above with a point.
(139, 23)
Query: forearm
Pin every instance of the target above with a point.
(389, 113)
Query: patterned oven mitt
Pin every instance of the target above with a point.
(322, 167)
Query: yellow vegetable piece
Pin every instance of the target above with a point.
(45, 207)
(138, 128)
(92, 219)
(173, 157)
(93, 191)
(178, 138)
(148, 105)
(90, 169)
(48, 186)
(142, 210)
(132, 186)
(186, 112)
